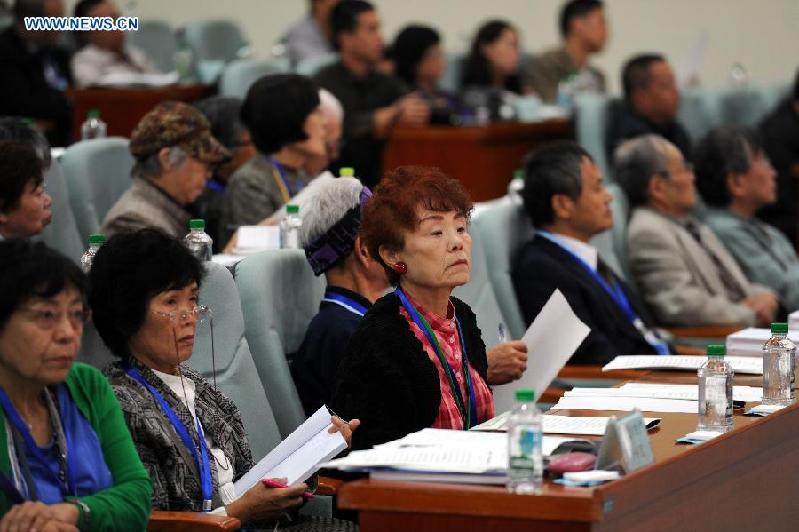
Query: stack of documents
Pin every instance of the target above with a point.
(749, 365)
(793, 321)
(647, 397)
(749, 342)
(584, 426)
(437, 455)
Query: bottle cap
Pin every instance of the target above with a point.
(93, 113)
(197, 223)
(525, 395)
(346, 171)
(518, 173)
(292, 208)
(96, 238)
(716, 350)
(779, 328)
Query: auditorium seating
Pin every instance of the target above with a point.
(62, 234)
(157, 39)
(240, 74)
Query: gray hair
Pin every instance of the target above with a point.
(326, 202)
(636, 161)
(330, 105)
(150, 166)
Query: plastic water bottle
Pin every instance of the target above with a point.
(715, 391)
(93, 127)
(290, 228)
(566, 90)
(198, 241)
(525, 433)
(95, 241)
(779, 359)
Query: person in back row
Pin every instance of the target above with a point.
(566, 200)
(173, 151)
(584, 32)
(373, 102)
(331, 213)
(310, 37)
(288, 129)
(651, 102)
(736, 179)
(684, 272)
(24, 203)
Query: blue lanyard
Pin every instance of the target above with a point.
(282, 173)
(66, 481)
(215, 185)
(344, 301)
(617, 295)
(469, 414)
(202, 462)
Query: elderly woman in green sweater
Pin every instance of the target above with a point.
(67, 460)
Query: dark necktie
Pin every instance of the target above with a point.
(734, 290)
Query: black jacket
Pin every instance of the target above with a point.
(385, 378)
(23, 89)
(625, 124)
(780, 131)
(543, 266)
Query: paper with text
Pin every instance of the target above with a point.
(298, 456)
(584, 426)
(627, 404)
(749, 365)
(551, 340)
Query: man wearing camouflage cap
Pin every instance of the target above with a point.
(174, 151)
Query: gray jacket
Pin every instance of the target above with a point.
(678, 278)
(145, 205)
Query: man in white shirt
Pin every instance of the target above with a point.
(104, 52)
(566, 200)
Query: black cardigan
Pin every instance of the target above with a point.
(385, 378)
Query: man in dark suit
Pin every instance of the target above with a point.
(566, 200)
(35, 71)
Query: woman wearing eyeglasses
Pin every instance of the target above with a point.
(190, 436)
(67, 460)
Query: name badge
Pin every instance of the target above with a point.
(626, 445)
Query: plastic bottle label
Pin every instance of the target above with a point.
(523, 446)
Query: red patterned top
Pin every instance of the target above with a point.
(446, 330)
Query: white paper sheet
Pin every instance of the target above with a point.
(252, 238)
(298, 456)
(444, 459)
(749, 342)
(793, 321)
(627, 404)
(459, 438)
(551, 340)
(681, 391)
(582, 425)
(122, 79)
(749, 365)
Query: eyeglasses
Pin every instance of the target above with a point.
(49, 319)
(199, 313)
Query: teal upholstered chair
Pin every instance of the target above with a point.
(451, 80)
(62, 233)
(502, 227)
(279, 296)
(236, 375)
(309, 67)
(240, 74)
(591, 122)
(214, 39)
(97, 173)
(157, 39)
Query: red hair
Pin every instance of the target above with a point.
(392, 211)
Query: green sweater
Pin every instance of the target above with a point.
(126, 505)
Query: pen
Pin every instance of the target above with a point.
(269, 483)
(333, 413)
(501, 333)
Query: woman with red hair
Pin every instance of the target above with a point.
(417, 359)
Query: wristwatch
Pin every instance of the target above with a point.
(84, 514)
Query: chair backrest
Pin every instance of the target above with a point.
(478, 293)
(214, 39)
(279, 296)
(502, 227)
(451, 80)
(240, 74)
(236, 374)
(591, 111)
(157, 39)
(309, 67)
(97, 173)
(62, 233)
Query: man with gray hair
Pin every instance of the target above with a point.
(173, 149)
(736, 180)
(331, 222)
(686, 275)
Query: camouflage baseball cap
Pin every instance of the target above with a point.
(176, 124)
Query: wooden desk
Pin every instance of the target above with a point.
(743, 480)
(122, 108)
(483, 157)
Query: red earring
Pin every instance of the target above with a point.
(401, 268)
